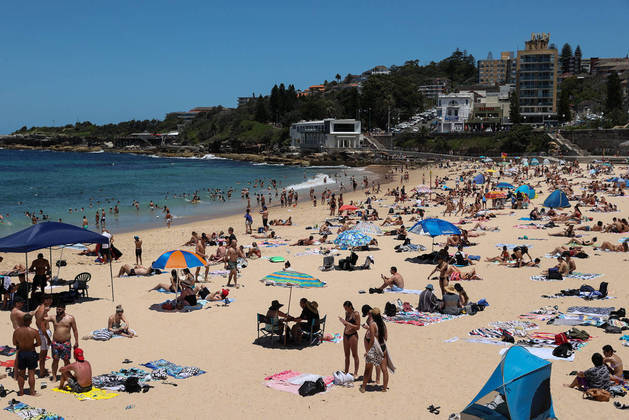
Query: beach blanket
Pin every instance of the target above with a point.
(201, 303)
(115, 381)
(579, 319)
(290, 381)
(267, 244)
(590, 310)
(575, 275)
(529, 226)
(8, 363)
(174, 370)
(7, 351)
(419, 318)
(94, 394)
(26, 412)
(542, 314)
(336, 338)
(545, 353)
(315, 251)
(405, 291)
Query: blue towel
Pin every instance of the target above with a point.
(474, 257)
(525, 218)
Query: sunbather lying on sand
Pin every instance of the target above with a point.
(136, 270)
(608, 246)
(270, 235)
(304, 242)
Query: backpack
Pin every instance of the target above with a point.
(132, 384)
(563, 350)
(390, 309)
(603, 289)
(310, 388)
(561, 339)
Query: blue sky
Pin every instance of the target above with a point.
(118, 60)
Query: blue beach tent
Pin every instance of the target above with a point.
(526, 189)
(557, 199)
(49, 234)
(519, 389)
(479, 179)
(504, 185)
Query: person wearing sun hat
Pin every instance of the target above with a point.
(78, 375)
(273, 316)
(450, 304)
(428, 302)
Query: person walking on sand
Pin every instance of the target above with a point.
(64, 326)
(248, 222)
(231, 259)
(25, 339)
(138, 250)
(351, 324)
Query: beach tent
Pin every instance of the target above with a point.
(557, 199)
(49, 234)
(522, 381)
(546, 162)
(534, 162)
(435, 227)
(526, 189)
(479, 179)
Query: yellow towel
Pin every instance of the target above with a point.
(94, 394)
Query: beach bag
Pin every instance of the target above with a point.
(309, 388)
(581, 254)
(390, 309)
(204, 292)
(578, 334)
(168, 306)
(561, 339)
(597, 394)
(563, 350)
(191, 300)
(602, 288)
(554, 274)
(132, 384)
(586, 288)
(610, 329)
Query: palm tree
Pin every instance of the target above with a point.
(338, 78)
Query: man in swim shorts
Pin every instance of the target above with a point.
(232, 263)
(26, 339)
(64, 326)
(41, 312)
(78, 374)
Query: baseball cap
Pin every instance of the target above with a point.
(78, 354)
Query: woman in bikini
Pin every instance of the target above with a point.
(350, 335)
(608, 246)
(376, 330)
(174, 280)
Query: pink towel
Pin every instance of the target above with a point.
(280, 381)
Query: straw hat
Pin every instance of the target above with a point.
(450, 289)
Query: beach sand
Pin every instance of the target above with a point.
(220, 340)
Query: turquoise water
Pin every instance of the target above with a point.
(52, 183)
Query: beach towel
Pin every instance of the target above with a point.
(419, 318)
(336, 338)
(26, 412)
(315, 251)
(290, 381)
(8, 363)
(7, 351)
(575, 275)
(201, 303)
(545, 353)
(529, 226)
(115, 381)
(405, 291)
(94, 394)
(174, 370)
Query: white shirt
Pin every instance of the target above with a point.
(108, 235)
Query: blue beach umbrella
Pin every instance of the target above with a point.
(526, 189)
(435, 227)
(557, 199)
(352, 238)
(368, 229)
(479, 179)
(504, 185)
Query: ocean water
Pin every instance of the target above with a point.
(52, 183)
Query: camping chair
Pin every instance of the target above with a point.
(315, 337)
(270, 328)
(328, 263)
(79, 284)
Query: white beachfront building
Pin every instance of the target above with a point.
(453, 110)
(329, 133)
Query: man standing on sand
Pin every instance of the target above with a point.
(231, 259)
(26, 339)
(41, 312)
(42, 269)
(265, 218)
(138, 250)
(64, 324)
(78, 374)
(17, 315)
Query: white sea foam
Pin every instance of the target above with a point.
(97, 151)
(210, 156)
(268, 164)
(329, 167)
(316, 181)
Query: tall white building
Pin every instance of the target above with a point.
(453, 110)
(326, 134)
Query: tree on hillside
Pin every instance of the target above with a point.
(338, 78)
(566, 58)
(563, 109)
(514, 108)
(577, 59)
(614, 93)
(274, 103)
(261, 114)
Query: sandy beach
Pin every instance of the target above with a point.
(220, 339)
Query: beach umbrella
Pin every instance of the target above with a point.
(488, 159)
(291, 279)
(179, 259)
(348, 207)
(352, 238)
(492, 195)
(479, 179)
(491, 170)
(482, 156)
(435, 227)
(368, 229)
(526, 189)
(557, 199)
(504, 185)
